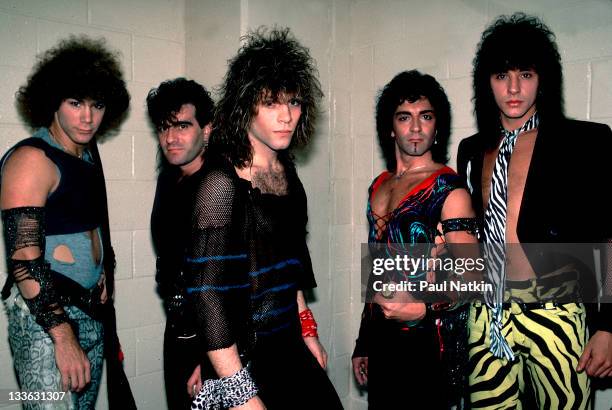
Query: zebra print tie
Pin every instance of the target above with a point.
(495, 236)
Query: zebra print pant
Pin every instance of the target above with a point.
(547, 344)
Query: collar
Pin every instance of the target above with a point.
(529, 125)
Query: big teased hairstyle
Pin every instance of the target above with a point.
(165, 101)
(77, 67)
(514, 42)
(271, 62)
(411, 86)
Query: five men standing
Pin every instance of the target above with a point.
(230, 231)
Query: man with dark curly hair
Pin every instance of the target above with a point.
(53, 199)
(533, 179)
(248, 257)
(181, 111)
(400, 340)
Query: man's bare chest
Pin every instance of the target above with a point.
(518, 170)
(393, 192)
(270, 182)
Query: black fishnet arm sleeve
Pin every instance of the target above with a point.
(216, 262)
(23, 229)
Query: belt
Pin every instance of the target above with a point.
(545, 282)
(545, 305)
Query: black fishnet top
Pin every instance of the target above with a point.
(248, 257)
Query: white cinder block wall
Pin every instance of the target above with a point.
(359, 46)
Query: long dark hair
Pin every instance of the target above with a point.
(271, 62)
(519, 42)
(411, 86)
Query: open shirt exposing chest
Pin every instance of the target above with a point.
(518, 266)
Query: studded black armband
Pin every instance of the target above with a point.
(469, 225)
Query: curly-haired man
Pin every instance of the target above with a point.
(406, 202)
(55, 219)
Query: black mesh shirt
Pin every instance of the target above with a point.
(247, 259)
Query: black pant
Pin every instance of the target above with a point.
(181, 356)
(289, 377)
(404, 369)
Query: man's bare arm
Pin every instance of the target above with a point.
(226, 363)
(312, 342)
(597, 356)
(462, 243)
(28, 177)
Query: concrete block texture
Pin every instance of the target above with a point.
(156, 60)
(122, 244)
(363, 111)
(148, 391)
(577, 82)
(341, 286)
(138, 119)
(341, 251)
(145, 148)
(117, 155)
(50, 32)
(342, 201)
(74, 11)
(343, 341)
(341, 375)
(362, 68)
(309, 21)
(377, 22)
(21, 30)
(156, 18)
(127, 201)
(341, 104)
(601, 89)
(342, 157)
(149, 357)
(10, 81)
(10, 134)
(363, 157)
(127, 338)
(137, 303)
(212, 33)
(144, 255)
(459, 92)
